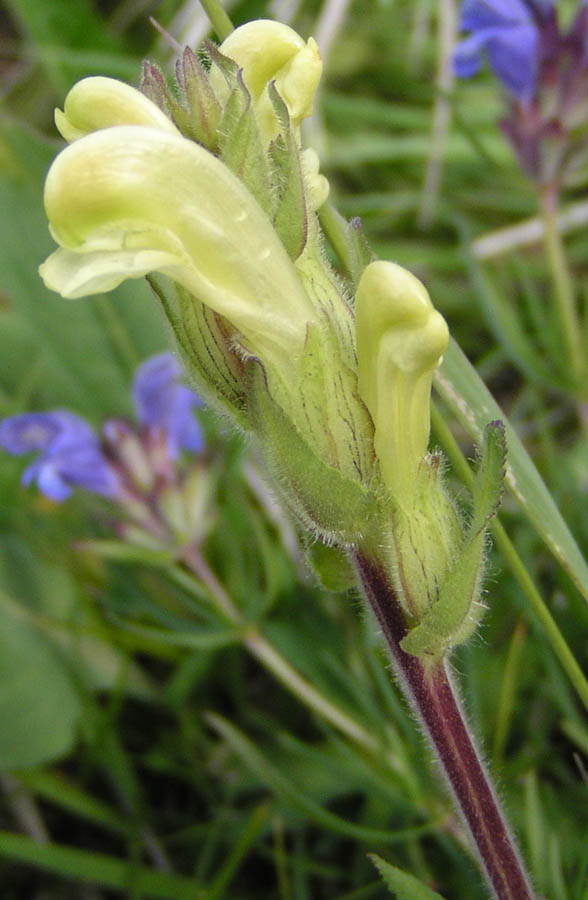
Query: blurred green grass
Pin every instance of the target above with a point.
(115, 773)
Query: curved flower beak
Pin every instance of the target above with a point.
(130, 200)
(98, 102)
(400, 342)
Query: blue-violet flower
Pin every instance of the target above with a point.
(70, 453)
(162, 402)
(507, 31)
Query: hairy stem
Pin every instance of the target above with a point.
(432, 696)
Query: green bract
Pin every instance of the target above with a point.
(207, 191)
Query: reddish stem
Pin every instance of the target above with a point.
(433, 697)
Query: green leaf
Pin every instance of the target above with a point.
(489, 481)
(291, 794)
(457, 611)
(199, 639)
(204, 346)
(97, 868)
(401, 884)
(505, 322)
(39, 704)
(203, 109)
(290, 218)
(464, 391)
(240, 144)
(62, 792)
(332, 566)
(360, 252)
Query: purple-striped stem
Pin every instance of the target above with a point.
(432, 696)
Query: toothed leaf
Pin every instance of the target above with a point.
(401, 884)
(240, 144)
(489, 481)
(205, 348)
(203, 111)
(454, 616)
(360, 252)
(290, 217)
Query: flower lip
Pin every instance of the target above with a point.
(270, 52)
(261, 49)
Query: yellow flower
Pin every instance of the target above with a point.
(128, 200)
(267, 52)
(400, 342)
(98, 102)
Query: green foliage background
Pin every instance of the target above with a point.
(144, 751)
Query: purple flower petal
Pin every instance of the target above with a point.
(513, 57)
(183, 429)
(508, 32)
(467, 56)
(161, 401)
(478, 14)
(153, 388)
(70, 453)
(51, 482)
(41, 430)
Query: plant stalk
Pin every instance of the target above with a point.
(219, 20)
(433, 697)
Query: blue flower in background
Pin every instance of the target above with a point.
(162, 402)
(508, 32)
(70, 453)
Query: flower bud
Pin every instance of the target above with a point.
(266, 52)
(400, 342)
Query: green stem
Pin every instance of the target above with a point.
(219, 20)
(516, 565)
(562, 284)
